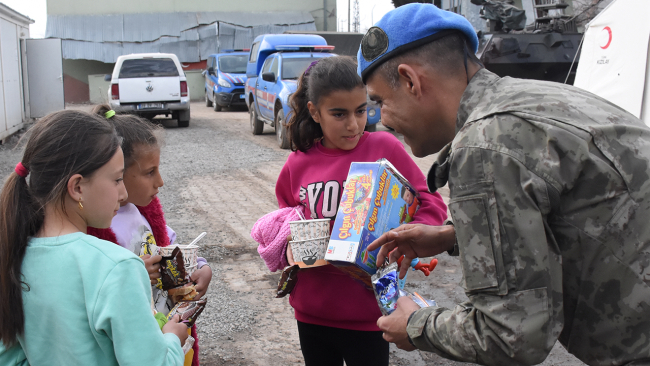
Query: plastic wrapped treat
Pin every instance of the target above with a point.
(385, 284)
(418, 299)
(189, 311)
(172, 270)
(287, 280)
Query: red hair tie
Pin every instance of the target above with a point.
(21, 170)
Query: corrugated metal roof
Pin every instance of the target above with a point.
(191, 36)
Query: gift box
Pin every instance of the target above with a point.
(376, 198)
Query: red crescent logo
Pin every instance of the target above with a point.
(609, 39)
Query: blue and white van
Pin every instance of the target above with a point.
(225, 78)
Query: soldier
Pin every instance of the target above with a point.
(550, 201)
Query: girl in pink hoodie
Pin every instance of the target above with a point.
(337, 317)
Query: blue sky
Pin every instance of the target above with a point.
(369, 11)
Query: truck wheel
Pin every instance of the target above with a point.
(281, 130)
(208, 103)
(215, 105)
(257, 126)
(184, 118)
(370, 128)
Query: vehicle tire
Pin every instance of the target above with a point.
(257, 126)
(215, 105)
(371, 128)
(184, 118)
(281, 130)
(208, 103)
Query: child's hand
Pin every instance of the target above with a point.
(180, 329)
(201, 278)
(152, 264)
(289, 252)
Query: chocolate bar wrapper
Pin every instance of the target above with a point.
(188, 310)
(172, 270)
(287, 280)
(385, 284)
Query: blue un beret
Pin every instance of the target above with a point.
(407, 27)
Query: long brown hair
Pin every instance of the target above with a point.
(59, 145)
(329, 75)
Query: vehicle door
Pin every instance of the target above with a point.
(210, 76)
(275, 87)
(263, 89)
(149, 80)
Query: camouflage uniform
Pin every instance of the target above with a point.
(550, 198)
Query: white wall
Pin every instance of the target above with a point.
(12, 105)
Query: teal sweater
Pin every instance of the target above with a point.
(88, 303)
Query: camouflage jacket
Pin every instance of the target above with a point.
(550, 197)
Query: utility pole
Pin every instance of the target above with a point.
(325, 15)
(357, 20)
(349, 15)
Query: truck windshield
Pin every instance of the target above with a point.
(235, 64)
(292, 68)
(147, 67)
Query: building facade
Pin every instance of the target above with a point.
(94, 34)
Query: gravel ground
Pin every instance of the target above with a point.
(219, 178)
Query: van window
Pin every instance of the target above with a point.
(235, 64)
(292, 68)
(147, 67)
(254, 49)
(267, 64)
(274, 68)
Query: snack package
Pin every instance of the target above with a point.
(385, 284)
(183, 293)
(188, 310)
(172, 270)
(376, 198)
(149, 248)
(189, 342)
(418, 299)
(287, 280)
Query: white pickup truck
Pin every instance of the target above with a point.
(150, 84)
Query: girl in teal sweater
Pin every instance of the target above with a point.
(67, 298)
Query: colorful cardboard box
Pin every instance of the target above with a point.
(376, 198)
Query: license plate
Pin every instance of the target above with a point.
(149, 105)
(241, 96)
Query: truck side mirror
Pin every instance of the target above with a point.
(211, 70)
(108, 77)
(268, 76)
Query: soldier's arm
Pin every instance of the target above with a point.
(511, 266)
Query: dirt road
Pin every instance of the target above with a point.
(219, 178)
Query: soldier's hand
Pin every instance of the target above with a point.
(413, 241)
(394, 325)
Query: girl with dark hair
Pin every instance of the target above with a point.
(68, 298)
(140, 221)
(337, 317)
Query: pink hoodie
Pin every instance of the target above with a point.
(325, 295)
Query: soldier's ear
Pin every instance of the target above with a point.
(409, 79)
